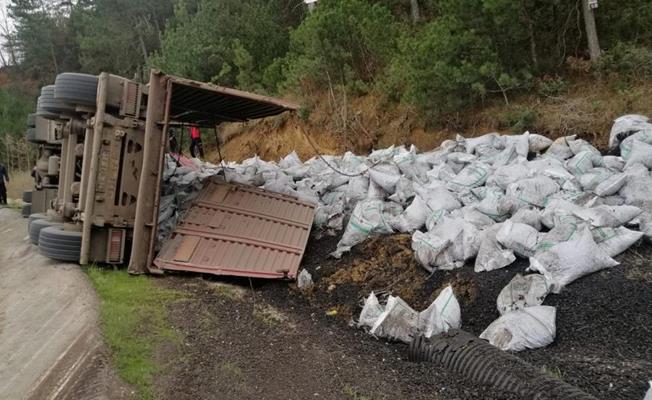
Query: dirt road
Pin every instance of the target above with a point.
(50, 345)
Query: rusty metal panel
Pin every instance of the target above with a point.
(206, 104)
(240, 230)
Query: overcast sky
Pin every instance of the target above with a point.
(3, 14)
(3, 6)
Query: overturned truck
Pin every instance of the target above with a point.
(112, 138)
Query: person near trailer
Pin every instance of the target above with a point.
(4, 179)
(196, 146)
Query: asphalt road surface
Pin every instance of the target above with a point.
(50, 344)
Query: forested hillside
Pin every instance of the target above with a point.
(436, 58)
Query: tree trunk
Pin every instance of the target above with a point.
(414, 11)
(54, 58)
(533, 43)
(143, 48)
(591, 31)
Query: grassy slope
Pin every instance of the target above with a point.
(585, 107)
(134, 322)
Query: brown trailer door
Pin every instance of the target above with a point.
(242, 231)
(171, 99)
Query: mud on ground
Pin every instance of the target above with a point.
(265, 339)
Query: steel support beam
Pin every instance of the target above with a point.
(150, 176)
(98, 126)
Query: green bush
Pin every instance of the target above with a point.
(446, 67)
(341, 42)
(549, 86)
(229, 42)
(627, 60)
(518, 119)
(624, 21)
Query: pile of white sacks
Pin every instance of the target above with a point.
(561, 204)
(182, 180)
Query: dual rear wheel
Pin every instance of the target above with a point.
(52, 240)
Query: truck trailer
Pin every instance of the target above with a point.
(103, 141)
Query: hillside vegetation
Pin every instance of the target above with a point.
(366, 71)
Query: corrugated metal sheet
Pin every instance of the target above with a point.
(206, 104)
(242, 231)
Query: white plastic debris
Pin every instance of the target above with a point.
(528, 328)
(472, 143)
(289, 161)
(579, 145)
(520, 238)
(610, 216)
(447, 246)
(615, 240)
(438, 198)
(594, 177)
(567, 261)
(386, 176)
(475, 217)
(471, 176)
(538, 143)
(370, 312)
(614, 163)
(357, 189)
(398, 321)
(521, 292)
(413, 217)
(403, 192)
(427, 248)
(496, 205)
(528, 216)
(533, 191)
(491, 255)
(443, 314)
(637, 190)
(556, 210)
(625, 126)
(559, 149)
(611, 185)
(368, 218)
(648, 395)
(380, 155)
(566, 228)
(628, 144)
(641, 153)
(582, 162)
(304, 280)
(521, 143)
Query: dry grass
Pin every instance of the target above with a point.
(19, 182)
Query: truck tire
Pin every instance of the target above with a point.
(34, 217)
(42, 112)
(60, 245)
(45, 114)
(48, 103)
(76, 88)
(31, 120)
(27, 197)
(27, 210)
(36, 226)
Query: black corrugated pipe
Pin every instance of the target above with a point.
(483, 363)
